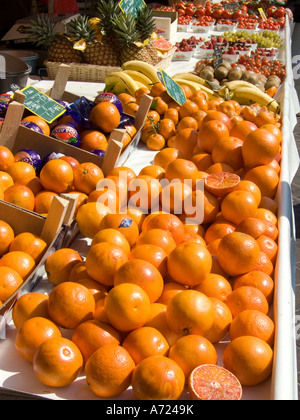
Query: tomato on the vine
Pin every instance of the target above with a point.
(279, 13)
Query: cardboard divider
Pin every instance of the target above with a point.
(50, 229)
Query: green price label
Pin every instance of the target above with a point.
(41, 105)
(132, 6)
(173, 88)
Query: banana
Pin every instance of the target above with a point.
(190, 76)
(119, 88)
(130, 84)
(145, 68)
(247, 96)
(139, 77)
(236, 84)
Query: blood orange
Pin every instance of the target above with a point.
(221, 183)
(213, 382)
(162, 45)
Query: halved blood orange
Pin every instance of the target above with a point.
(221, 183)
(213, 383)
(162, 44)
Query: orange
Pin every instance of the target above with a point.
(264, 117)
(154, 171)
(201, 102)
(29, 243)
(271, 230)
(230, 108)
(185, 142)
(181, 169)
(191, 351)
(210, 133)
(40, 122)
(127, 307)
(5, 180)
(58, 265)
(264, 264)
(249, 186)
(112, 236)
(246, 297)
(144, 193)
(189, 263)
(19, 261)
(81, 199)
(78, 272)
(158, 237)
(137, 215)
(260, 147)
(103, 260)
(43, 201)
(165, 156)
(252, 226)
(93, 140)
(153, 254)
(10, 281)
(171, 288)
(215, 285)
(217, 230)
(187, 90)
(265, 177)
(158, 378)
(274, 130)
(229, 150)
(72, 161)
(126, 98)
(171, 114)
(109, 370)
(21, 172)
(222, 321)
(169, 222)
(253, 323)
(145, 342)
(188, 109)
(6, 237)
(86, 177)
(238, 253)
(30, 305)
(97, 290)
(70, 304)
(187, 122)
(174, 195)
(35, 185)
(250, 359)
(268, 246)
(140, 93)
(214, 115)
(57, 175)
(157, 89)
(155, 142)
(158, 320)
(124, 171)
(105, 116)
(57, 362)
(242, 128)
(202, 161)
(91, 335)
(122, 223)
(166, 128)
(159, 105)
(32, 334)
(6, 158)
(238, 206)
(131, 108)
(208, 207)
(99, 313)
(20, 196)
(190, 312)
(89, 217)
(214, 383)
(143, 274)
(267, 215)
(221, 183)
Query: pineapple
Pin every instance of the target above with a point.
(60, 48)
(105, 52)
(133, 36)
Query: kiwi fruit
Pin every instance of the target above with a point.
(235, 74)
(207, 74)
(226, 65)
(221, 73)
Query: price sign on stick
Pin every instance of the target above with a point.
(173, 88)
(132, 6)
(42, 105)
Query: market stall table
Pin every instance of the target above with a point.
(16, 374)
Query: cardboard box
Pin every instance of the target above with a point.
(166, 23)
(51, 229)
(19, 31)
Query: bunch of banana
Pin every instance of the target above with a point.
(246, 94)
(146, 69)
(194, 83)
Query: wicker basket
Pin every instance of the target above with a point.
(93, 73)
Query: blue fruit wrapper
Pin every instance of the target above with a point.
(5, 100)
(66, 133)
(51, 156)
(1, 123)
(99, 152)
(80, 112)
(29, 156)
(32, 126)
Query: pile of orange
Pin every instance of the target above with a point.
(155, 293)
(19, 256)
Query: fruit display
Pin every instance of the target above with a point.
(110, 39)
(267, 39)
